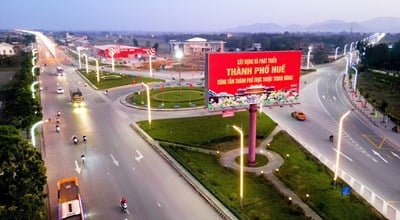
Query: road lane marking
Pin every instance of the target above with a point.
(138, 158)
(334, 98)
(77, 168)
(395, 155)
(159, 205)
(114, 160)
(377, 154)
(344, 155)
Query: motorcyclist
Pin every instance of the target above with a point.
(58, 113)
(123, 203)
(331, 137)
(57, 120)
(57, 128)
(84, 138)
(74, 139)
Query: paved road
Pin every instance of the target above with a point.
(118, 162)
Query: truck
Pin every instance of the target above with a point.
(77, 98)
(69, 199)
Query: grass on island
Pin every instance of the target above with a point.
(301, 171)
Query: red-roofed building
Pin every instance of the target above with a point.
(123, 52)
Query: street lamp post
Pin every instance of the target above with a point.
(79, 57)
(308, 57)
(33, 88)
(148, 103)
(339, 146)
(355, 79)
(344, 50)
(351, 47)
(34, 51)
(337, 48)
(179, 56)
(33, 60)
(112, 59)
(87, 65)
(33, 70)
(33, 132)
(150, 67)
(97, 70)
(241, 162)
(347, 65)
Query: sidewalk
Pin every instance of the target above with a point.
(274, 162)
(379, 123)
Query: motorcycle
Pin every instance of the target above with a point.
(75, 140)
(124, 207)
(331, 138)
(58, 129)
(58, 114)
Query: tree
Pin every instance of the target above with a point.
(120, 41)
(155, 46)
(148, 44)
(320, 55)
(135, 42)
(22, 177)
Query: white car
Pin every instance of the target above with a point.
(60, 90)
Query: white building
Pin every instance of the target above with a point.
(196, 45)
(6, 49)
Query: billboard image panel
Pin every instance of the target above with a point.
(236, 80)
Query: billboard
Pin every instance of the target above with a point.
(236, 80)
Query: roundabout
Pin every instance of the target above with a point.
(169, 98)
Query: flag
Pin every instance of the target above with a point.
(162, 87)
(190, 85)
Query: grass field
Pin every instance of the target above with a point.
(301, 172)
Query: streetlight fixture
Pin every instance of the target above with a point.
(355, 78)
(79, 56)
(33, 88)
(148, 103)
(150, 67)
(344, 50)
(179, 55)
(34, 51)
(33, 70)
(308, 57)
(241, 161)
(112, 59)
(97, 70)
(33, 132)
(337, 48)
(351, 47)
(33, 60)
(87, 65)
(339, 146)
(347, 65)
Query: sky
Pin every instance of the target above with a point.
(183, 15)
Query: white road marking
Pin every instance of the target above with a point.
(114, 160)
(395, 155)
(334, 98)
(159, 205)
(323, 96)
(138, 158)
(377, 154)
(344, 155)
(77, 168)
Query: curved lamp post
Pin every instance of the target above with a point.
(33, 88)
(179, 56)
(355, 78)
(337, 48)
(339, 146)
(33, 138)
(79, 56)
(241, 162)
(33, 60)
(112, 59)
(87, 65)
(308, 57)
(34, 51)
(347, 65)
(351, 47)
(33, 70)
(344, 50)
(148, 102)
(150, 67)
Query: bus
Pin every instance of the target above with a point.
(69, 199)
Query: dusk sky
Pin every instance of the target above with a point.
(183, 15)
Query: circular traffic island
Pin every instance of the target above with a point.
(169, 98)
(261, 160)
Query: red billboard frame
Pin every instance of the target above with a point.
(238, 79)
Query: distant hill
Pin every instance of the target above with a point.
(381, 24)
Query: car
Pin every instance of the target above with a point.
(60, 90)
(299, 116)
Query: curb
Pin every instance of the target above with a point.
(208, 197)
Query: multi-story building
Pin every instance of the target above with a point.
(196, 45)
(6, 49)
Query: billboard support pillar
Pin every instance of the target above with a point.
(251, 160)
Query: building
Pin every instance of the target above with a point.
(6, 49)
(122, 51)
(196, 45)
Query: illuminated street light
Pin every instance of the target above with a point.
(148, 102)
(179, 56)
(34, 51)
(112, 59)
(87, 65)
(33, 70)
(308, 57)
(97, 70)
(351, 47)
(33, 132)
(355, 79)
(337, 48)
(150, 67)
(33, 88)
(33, 60)
(344, 50)
(241, 162)
(79, 56)
(347, 65)
(339, 145)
